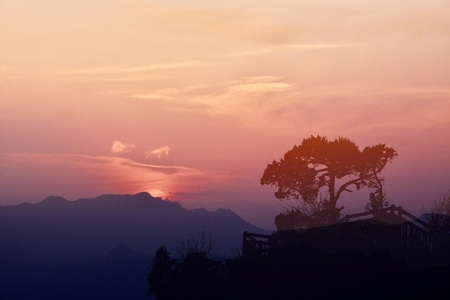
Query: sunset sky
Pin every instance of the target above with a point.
(190, 100)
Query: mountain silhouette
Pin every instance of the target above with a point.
(56, 227)
(101, 248)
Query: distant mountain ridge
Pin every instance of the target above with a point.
(57, 227)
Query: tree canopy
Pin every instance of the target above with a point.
(318, 164)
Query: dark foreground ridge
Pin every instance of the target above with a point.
(300, 271)
(389, 256)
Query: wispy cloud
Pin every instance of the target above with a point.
(317, 46)
(150, 95)
(251, 94)
(263, 83)
(159, 93)
(117, 69)
(159, 152)
(259, 87)
(284, 48)
(119, 147)
(235, 97)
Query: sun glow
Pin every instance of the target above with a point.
(157, 193)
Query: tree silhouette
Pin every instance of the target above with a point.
(200, 244)
(377, 199)
(319, 164)
(438, 215)
(160, 275)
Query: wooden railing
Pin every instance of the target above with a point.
(407, 229)
(413, 231)
(255, 244)
(428, 240)
(394, 212)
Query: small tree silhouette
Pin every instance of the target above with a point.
(377, 199)
(200, 244)
(438, 214)
(160, 274)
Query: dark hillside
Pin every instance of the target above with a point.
(100, 248)
(57, 227)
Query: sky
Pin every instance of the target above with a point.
(190, 100)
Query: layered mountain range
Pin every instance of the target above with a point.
(56, 227)
(101, 248)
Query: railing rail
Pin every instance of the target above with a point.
(411, 232)
(392, 210)
(255, 244)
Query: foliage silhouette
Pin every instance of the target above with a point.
(438, 214)
(200, 244)
(159, 277)
(377, 199)
(197, 277)
(194, 275)
(335, 166)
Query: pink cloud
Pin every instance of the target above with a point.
(161, 151)
(118, 147)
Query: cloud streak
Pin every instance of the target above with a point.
(117, 69)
